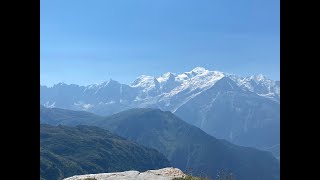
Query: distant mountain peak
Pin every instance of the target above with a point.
(60, 84)
(226, 83)
(143, 80)
(258, 77)
(199, 70)
(109, 82)
(147, 84)
(166, 77)
(168, 74)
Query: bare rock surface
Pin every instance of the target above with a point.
(160, 174)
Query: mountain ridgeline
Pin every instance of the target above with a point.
(184, 145)
(67, 151)
(242, 110)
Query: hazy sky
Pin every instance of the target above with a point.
(85, 42)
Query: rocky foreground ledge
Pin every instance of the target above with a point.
(160, 174)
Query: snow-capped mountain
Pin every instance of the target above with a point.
(227, 111)
(260, 85)
(243, 110)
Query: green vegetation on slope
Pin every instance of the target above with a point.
(53, 166)
(56, 116)
(67, 151)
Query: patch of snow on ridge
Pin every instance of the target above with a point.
(182, 77)
(48, 105)
(83, 106)
(111, 102)
(143, 81)
(87, 106)
(146, 82)
(92, 86)
(260, 85)
(185, 101)
(199, 70)
(208, 107)
(165, 77)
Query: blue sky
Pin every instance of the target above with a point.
(85, 42)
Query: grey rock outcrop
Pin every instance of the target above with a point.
(160, 174)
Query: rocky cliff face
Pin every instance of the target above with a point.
(160, 174)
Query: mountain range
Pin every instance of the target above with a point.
(186, 147)
(242, 110)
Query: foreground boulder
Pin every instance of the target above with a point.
(160, 174)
